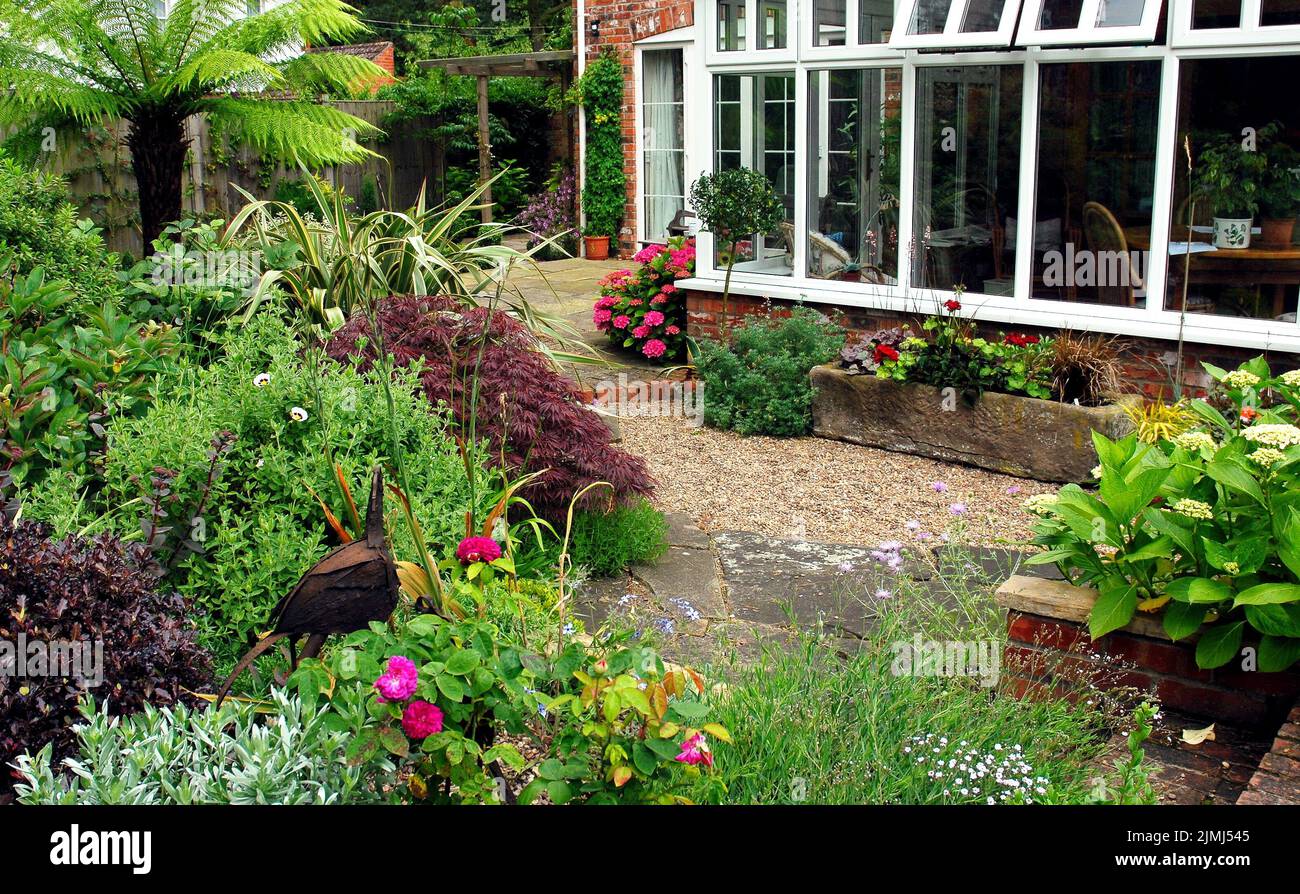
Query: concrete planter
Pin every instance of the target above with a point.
(1021, 436)
(1047, 640)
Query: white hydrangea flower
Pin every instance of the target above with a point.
(1041, 504)
(1096, 472)
(1278, 435)
(1291, 378)
(1267, 456)
(1240, 379)
(1196, 441)
(1194, 509)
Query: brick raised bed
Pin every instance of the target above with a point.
(1021, 436)
(1047, 634)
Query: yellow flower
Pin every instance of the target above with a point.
(1194, 509)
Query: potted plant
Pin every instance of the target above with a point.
(733, 205)
(1279, 192)
(595, 247)
(1228, 178)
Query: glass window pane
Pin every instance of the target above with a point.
(967, 177)
(981, 15)
(829, 23)
(855, 128)
(755, 129)
(1095, 181)
(1216, 14)
(875, 20)
(731, 25)
(1058, 14)
(663, 139)
(772, 24)
(1250, 268)
(930, 17)
(1279, 12)
(1118, 13)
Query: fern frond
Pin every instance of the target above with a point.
(310, 134)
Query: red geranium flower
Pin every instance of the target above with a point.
(952, 304)
(885, 351)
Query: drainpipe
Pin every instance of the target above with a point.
(581, 173)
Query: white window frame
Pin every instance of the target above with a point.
(1030, 35)
(713, 56)
(1249, 33)
(679, 39)
(1151, 321)
(952, 38)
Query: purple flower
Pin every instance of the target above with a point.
(939, 487)
(957, 508)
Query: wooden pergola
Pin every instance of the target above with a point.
(549, 64)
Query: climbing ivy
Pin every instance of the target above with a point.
(600, 93)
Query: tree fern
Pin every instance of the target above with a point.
(79, 62)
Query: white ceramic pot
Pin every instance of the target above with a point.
(1232, 232)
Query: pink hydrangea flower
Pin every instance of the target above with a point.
(641, 331)
(478, 549)
(654, 348)
(659, 298)
(648, 254)
(606, 301)
(653, 318)
(673, 330)
(696, 751)
(600, 316)
(398, 681)
(668, 288)
(421, 719)
(636, 302)
(621, 321)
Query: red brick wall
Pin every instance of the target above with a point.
(622, 23)
(1149, 363)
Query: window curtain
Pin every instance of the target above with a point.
(662, 123)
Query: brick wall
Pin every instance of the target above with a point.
(1149, 363)
(622, 23)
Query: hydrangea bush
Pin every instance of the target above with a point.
(1203, 528)
(643, 309)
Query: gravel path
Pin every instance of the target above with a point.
(818, 489)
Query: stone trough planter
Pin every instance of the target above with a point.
(1048, 641)
(1021, 436)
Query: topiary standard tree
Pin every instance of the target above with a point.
(733, 204)
(78, 62)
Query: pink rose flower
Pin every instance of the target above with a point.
(696, 751)
(421, 719)
(478, 549)
(398, 681)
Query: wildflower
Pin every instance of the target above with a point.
(261, 380)
(1196, 441)
(567, 629)
(478, 549)
(882, 593)
(1267, 456)
(687, 609)
(1276, 435)
(939, 487)
(1013, 490)
(957, 508)
(421, 719)
(695, 750)
(398, 681)
(665, 626)
(1240, 379)
(1041, 504)
(654, 348)
(846, 567)
(912, 525)
(1194, 509)
(1290, 378)
(298, 414)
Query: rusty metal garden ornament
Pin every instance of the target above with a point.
(352, 586)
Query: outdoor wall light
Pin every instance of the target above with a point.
(594, 28)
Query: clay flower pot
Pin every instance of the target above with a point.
(596, 247)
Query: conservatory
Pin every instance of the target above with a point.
(1062, 163)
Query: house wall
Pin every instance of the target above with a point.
(622, 24)
(1149, 364)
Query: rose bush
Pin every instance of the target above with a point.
(644, 309)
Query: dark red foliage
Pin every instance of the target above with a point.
(97, 589)
(523, 401)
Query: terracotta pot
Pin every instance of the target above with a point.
(596, 247)
(1276, 233)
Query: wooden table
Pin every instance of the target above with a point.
(1278, 267)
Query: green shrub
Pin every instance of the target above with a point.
(758, 384)
(39, 225)
(221, 477)
(600, 92)
(201, 756)
(605, 543)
